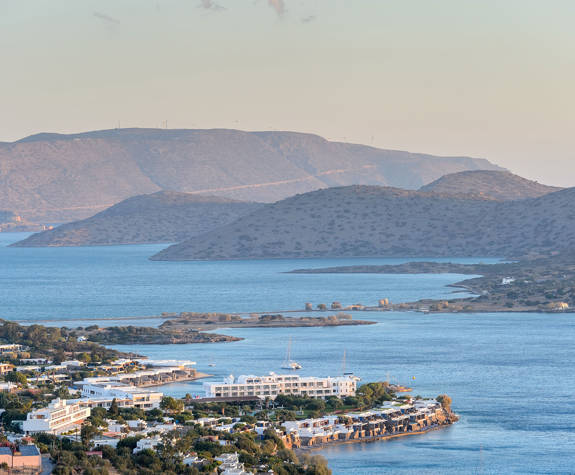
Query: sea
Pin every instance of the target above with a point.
(511, 376)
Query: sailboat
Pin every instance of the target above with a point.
(288, 363)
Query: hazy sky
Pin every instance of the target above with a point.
(486, 78)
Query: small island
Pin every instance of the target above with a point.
(212, 321)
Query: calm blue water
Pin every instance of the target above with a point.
(511, 377)
(117, 281)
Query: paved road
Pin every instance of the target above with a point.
(47, 465)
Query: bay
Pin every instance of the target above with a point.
(511, 376)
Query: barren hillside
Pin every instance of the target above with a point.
(494, 184)
(381, 221)
(159, 217)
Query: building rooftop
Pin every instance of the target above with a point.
(29, 450)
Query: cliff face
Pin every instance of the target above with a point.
(380, 221)
(159, 217)
(51, 178)
(493, 184)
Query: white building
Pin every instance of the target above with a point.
(66, 366)
(60, 416)
(102, 394)
(190, 460)
(158, 372)
(167, 363)
(137, 424)
(275, 384)
(231, 465)
(115, 426)
(149, 443)
(35, 360)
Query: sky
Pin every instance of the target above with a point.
(489, 78)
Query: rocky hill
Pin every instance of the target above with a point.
(158, 217)
(50, 178)
(494, 184)
(381, 221)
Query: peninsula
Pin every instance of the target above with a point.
(130, 335)
(536, 284)
(51, 343)
(189, 327)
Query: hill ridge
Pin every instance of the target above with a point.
(164, 216)
(495, 184)
(360, 221)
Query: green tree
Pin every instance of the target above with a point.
(445, 401)
(114, 410)
(16, 377)
(87, 433)
(171, 404)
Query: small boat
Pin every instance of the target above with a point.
(288, 363)
(291, 365)
(212, 364)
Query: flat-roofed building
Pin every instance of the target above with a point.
(27, 457)
(60, 416)
(275, 384)
(103, 393)
(157, 372)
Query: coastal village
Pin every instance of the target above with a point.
(111, 416)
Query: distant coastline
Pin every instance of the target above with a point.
(538, 284)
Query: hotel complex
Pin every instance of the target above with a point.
(101, 394)
(275, 384)
(57, 418)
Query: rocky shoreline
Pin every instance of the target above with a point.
(212, 321)
(130, 335)
(537, 284)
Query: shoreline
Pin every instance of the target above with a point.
(371, 439)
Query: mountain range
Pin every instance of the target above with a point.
(51, 178)
(174, 216)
